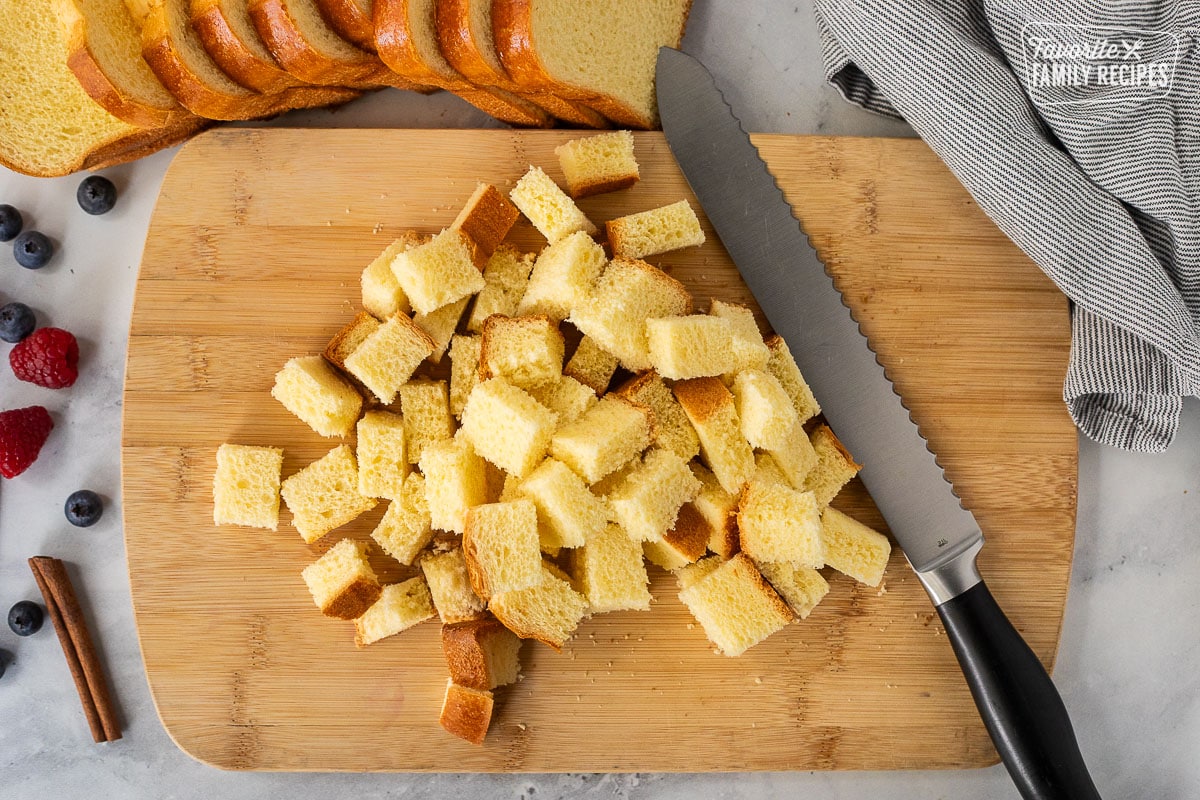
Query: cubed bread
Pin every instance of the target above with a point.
(736, 606)
(834, 468)
(854, 549)
(795, 456)
(399, 607)
(548, 612)
(406, 526)
(672, 429)
(525, 351)
(604, 439)
(610, 573)
(246, 486)
(481, 654)
(626, 294)
(711, 409)
(566, 397)
(591, 365)
(324, 495)
(466, 713)
(562, 276)
(454, 481)
(505, 277)
(749, 349)
(568, 513)
(342, 583)
(381, 292)
(684, 544)
(425, 406)
(464, 370)
(598, 164)
(647, 503)
(442, 271)
(440, 325)
(486, 218)
(766, 470)
(778, 523)
(802, 588)
(507, 426)
(692, 574)
(694, 346)
(387, 358)
(382, 463)
(783, 367)
(450, 587)
(719, 509)
(347, 340)
(658, 230)
(312, 390)
(501, 547)
(764, 409)
(549, 209)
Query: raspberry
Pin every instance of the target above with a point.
(23, 431)
(47, 357)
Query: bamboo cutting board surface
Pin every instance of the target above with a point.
(253, 256)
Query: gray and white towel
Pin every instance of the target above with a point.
(1076, 127)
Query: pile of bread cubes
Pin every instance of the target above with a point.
(539, 492)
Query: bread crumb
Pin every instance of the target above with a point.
(378, 227)
(758, 681)
(521, 726)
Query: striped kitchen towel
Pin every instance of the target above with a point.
(1076, 127)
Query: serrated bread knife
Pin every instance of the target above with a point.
(1016, 698)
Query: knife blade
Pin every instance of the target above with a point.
(1018, 702)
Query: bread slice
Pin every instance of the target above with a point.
(450, 586)
(749, 349)
(246, 486)
(324, 495)
(626, 294)
(684, 543)
(711, 409)
(694, 346)
(567, 398)
(736, 606)
(834, 468)
(783, 367)
(389, 355)
(464, 370)
(353, 20)
(406, 526)
(549, 209)
(598, 164)
(442, 271)
(802, 588)
(507, 426)
(486, 217)
(764, 409)
(505, 277)
(501, 548)
(719, 509)
(610, 435)
(229, 36)
(568, 514)
(341, 582)
(312, 390)
(601, 52)
(591, 365)
(382, 462)
(563, 276)
(659, 230)
(777, 523)
(853, 548)
(526, 351)
(610, 573)
(481, 654)
(455, 481)
(425, 406)
(440, 326)
(647, 502)
(548, 612)
(381, 292)
(466, 713)
(672, 429)
(399, 607)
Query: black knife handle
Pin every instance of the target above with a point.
(1017, 700)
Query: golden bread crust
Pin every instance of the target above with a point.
(466, 713)
(462, 644)
(353, 601)
(703, 397)
(691, 533)
(231, 54)
(347, 19)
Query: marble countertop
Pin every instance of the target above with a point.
(1127, 664)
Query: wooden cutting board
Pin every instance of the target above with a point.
(253, 256)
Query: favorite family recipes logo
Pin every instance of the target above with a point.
(1081, 65)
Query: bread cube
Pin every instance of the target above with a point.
(562, 276)
(341, 582)
(501, 547)
(425, 406)
(324, 495)
(525, 351)
(548, 612)
(711, 409)
(684, 544)
(802, 588)
(656, 231)
(382, 295)
(610, 573)
(442, 271)
(692, 574)
(749, 349)
(505, 277)
(778, 523)
(347, 340)
(246, 486)
(598, 164)
(835, 466)
(626, 294)
(464, 370)
(549, 209)
(690, 347)
(607, 437)
(481, 654)
(440, 325)
(382, 463)
(783, 367)
(736, 606)
(672, 429)
(853, 548)
(406, 526)
(454, 481)
(591, 365)
(466, 712)
(568, 514)
(486, 218)
(647, 503)
(323, 400)
(566, 397)
(719, 509)
(764, 409)
(450, 586)
(507, 426)
(795, 457)
(387, 358)
(399, 607)
(766, 470)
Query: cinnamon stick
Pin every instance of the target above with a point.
(86, 670)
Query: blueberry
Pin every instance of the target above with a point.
(25, 618)
(32, 250)
(10, 223)
(83, 508)
(96, 195)
(16, 322)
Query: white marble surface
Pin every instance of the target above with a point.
(1127, 665)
